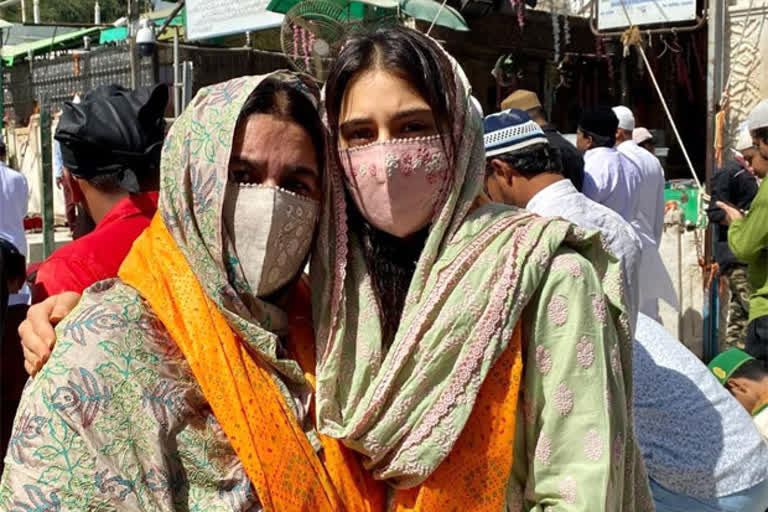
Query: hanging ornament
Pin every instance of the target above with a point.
(602, 54)
(518, 6)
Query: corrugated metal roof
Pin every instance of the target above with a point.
(16, 33)
(11, 54)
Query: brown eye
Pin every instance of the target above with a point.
(360, 136)
(415, 128)
(242, 176)
(298, 187)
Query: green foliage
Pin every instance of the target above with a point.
(73, 11)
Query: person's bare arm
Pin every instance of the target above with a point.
(37, 331)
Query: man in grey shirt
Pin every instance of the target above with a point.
(701, 448)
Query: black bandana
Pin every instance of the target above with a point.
(114, 129)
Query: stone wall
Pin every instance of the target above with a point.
(747, 41)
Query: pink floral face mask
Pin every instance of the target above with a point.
(397, 185)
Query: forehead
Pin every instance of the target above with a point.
(266, 138)
(377, 92)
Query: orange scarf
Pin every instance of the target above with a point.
(284, 469)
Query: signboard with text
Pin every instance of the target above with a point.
(612, 14)
(214, 18)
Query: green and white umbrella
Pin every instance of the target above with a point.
(356, 10)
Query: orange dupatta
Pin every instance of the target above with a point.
(276, 454)
(284, 469)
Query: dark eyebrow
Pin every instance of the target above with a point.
(255, 165)
(351, 123)
(300, 170)
(412, 112)
(360, 121)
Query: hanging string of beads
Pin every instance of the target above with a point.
(601, 53)
(296, 41)
(310, 48)
(555, 30)
(518, 6)
(566, 28)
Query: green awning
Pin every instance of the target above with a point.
(111, 35)
(13, 53)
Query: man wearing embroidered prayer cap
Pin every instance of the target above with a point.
(747, 379)
(110, 147)
(648, 220)
(523, 170)
(748, 239)
(573, 163)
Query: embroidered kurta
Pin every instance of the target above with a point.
(570, 451)
(561, 199)
(116, 421)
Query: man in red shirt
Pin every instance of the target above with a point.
(110, 146)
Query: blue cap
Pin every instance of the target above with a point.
(510, 131)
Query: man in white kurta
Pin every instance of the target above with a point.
(548, 193)
(14, 195)
(649, 217)
(610, 178)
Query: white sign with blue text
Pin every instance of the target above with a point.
(214, 18)
(613, 14)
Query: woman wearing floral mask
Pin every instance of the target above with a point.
(179, 386)
(467, 350)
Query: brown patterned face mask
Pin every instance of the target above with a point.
(271, 231)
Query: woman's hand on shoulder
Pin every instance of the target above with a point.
(37, 332)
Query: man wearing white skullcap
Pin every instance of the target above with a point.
(655, 282)
(748, 238)
(734, 184)
(758, 126)
(644, 138)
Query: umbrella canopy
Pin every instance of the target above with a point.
(425, 10)
(430, 11)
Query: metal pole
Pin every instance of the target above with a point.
(133, 18)
(2, 87)
(680, 230)
(46, 179)
(176, 78)
(714, 77)
(715, 53)
(186, 73)
(171, 17)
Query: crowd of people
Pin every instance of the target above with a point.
(479, 329)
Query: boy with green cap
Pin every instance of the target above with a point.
(747, 380)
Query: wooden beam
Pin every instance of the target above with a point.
(500, 33)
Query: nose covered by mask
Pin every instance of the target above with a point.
(397, 185)
(271, 230)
